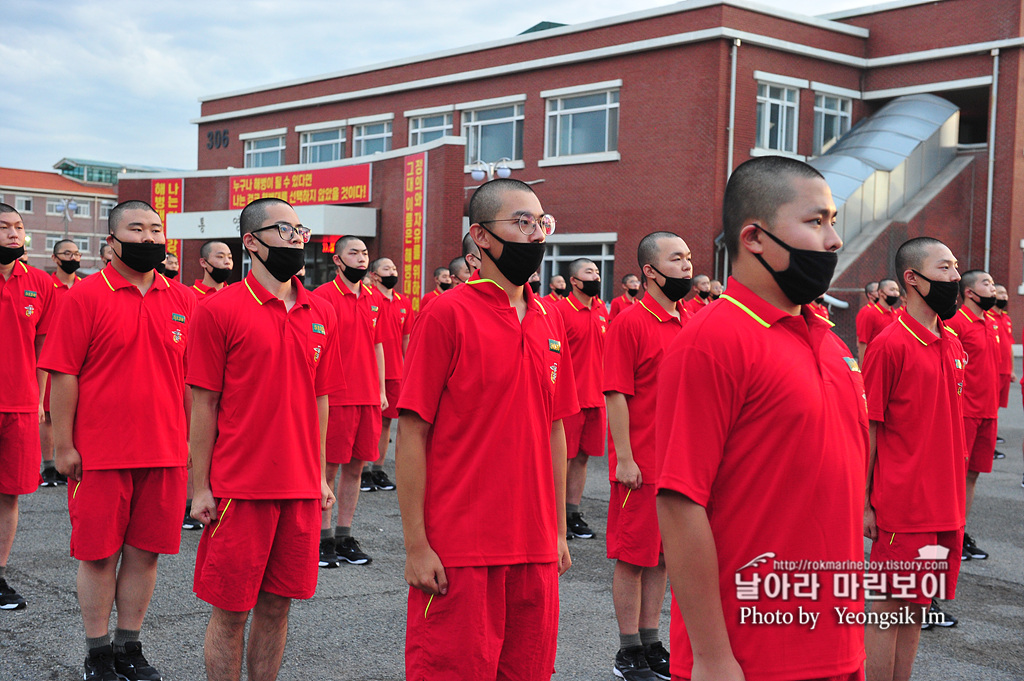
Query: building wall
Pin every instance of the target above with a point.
(39, 226)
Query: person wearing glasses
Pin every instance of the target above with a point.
(354, 418)
(487, 384)
(260, 366)
(117, 346)
(68, 259)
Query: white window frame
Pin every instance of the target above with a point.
(787, 109)
(251, 153)
(306, 144)
(52, 240)
(20, 204)
(845, 119)
(81, 241)
(105, 208)
(471, 128)
(83, 209)
(360, 136)
(555, 114)
(602, 241)
(416, 132)
(51, 208)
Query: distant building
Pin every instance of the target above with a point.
(99, 172)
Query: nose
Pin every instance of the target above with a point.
(832, 240)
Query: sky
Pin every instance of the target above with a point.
(118, 80)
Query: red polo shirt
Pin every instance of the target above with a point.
(980, 338)
(696, 304)
(914, 382)
(819, 310)
(356, 361)
(26, 308)
(492, 387)
(1005, 342)
(269, 366)
(632, 358)
(436, 293)
(395, 322)
(623, 303)
(871, 319)
(553, 297)
(776, 453)
(128, 352)
(584, 331)
(203, 291)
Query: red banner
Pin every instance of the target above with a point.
(166, 197)
(347, 184)
(415, 181)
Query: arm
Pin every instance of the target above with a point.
(323, 410)
(870, 527)
(202, 435)
(693, 571)
(423, 568)
(63, 406)
(558, 465)
(40, 375)
(861, 347)
(378, 349)
(405, 344)
(626, 470)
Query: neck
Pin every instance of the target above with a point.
(354, 288)
(279, 289)
(488, 270)
(582, 297)
(207, 281)
(385, 291)
(139, 279)
(65, 278)
(924, 315)
(8, 268)
(654, 291)
(884, 305)
(974, 308)
(754, 276)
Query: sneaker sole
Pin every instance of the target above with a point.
(14, 606)
(328, 566)
(358, 561)
(944, 624)
(577, 535)
(975, 556)
(385, 489)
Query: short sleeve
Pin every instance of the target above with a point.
(566, 399)
(67, 345)
(879, 375)
(428, 364)
(620, 357)
(49, 304)
(329, 372)
(206, 353)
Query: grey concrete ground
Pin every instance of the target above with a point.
(355, 626)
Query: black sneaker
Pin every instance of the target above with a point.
(972, 549)
(132, 664)
(366, 482)
(937, 617)
(328, 556)
(99, 665)
(998, 455)
(9, 598)
(49, 478)
(1000, 440)
(349, 551)
(577, 526)
(381, 481)
(190, 523)
(657, 660)
(631, 665)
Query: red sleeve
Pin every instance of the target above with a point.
(206, 353)
(66, 347)
(566, 401)
(620, 352)
(330, 377)
(880, 372)
(410, 318)
(428, 364)
(863, 325)
(49, 297)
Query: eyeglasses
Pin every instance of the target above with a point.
(69, 255)
(288, 231)
(528, 224)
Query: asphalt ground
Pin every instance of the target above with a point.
(354, 628)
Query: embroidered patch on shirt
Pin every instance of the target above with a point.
(852, 363)
(31, 294)
(319, 328)
(554, 346)
(178, 317)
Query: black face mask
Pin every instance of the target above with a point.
(69, 266)
(808, 275)
(389, 282)
(518, 261)
(170, 274)
(633, 292)
(892, 300)
(704, 294)
(282, 262)
(9, 254)
(590, 288)
(674, 288)
(354, 275)
(219, 274)
(986, 304)
(1001, 304)
(714, 297)
(142, 257)
(534, 286)
(444, 286)
(564, 292)
(820, 301)
(941, 296)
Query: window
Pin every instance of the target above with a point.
(52, 207)
(371, 138)
(429, 128)
(561, 254)
(83, 207)
(831, 121)
(105, 209)
(102, 175)
(322, 145)
(51, 241)
(776, 117)
(82, 242)
(584, 124)
(23, 204)
(268, 151)
(493, 134)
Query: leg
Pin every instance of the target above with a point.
(891, 651)
(382, 445)
(627, 595)
(135, 583)
(267, 636)
(97, 587)
(332, 473)
(653, 582)
(225, 641)
(576, 479)
(46, 438)
(348, 491)
(972, 480)
(8, 525)
(907, 638)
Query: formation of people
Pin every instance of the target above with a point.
(753, 506)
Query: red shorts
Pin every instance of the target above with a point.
(392, 389)
(633, 535)
(937, 575)
(981, 443)
(1004, 390)
(353, 432)
(19, 453)
(258, 545)
(140, 507)
(584, 432)
(494, 622)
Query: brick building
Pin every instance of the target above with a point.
(633, 123)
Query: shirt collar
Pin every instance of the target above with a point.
(115, 281)
(57, 283)
(918, 331)
(263, 296)
(201, 287)
(19, 269)
(497, 295)
(968, 314)
(657, 310)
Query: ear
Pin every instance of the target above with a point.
(750, 238)
(480, 236)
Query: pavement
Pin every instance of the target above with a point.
(354, 628)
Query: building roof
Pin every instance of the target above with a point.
(131, 167)
(542, 26)
(53, 183)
